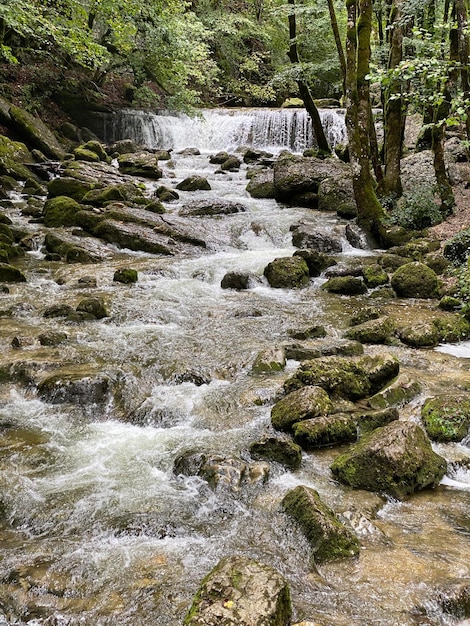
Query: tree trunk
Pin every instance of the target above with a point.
(339, 45)
(369, 209)
(303, 87)
(461, 15)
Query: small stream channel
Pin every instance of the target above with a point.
(98, 530)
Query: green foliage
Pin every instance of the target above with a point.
(417, 209)
(457, 248)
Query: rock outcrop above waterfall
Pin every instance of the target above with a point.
(327, 535)
(396, 459)
(241, 591)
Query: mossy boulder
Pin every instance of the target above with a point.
(345, 285)
(240, 591)
(375, 275)
(396, 459)
(269, 360)
(194, 183)
(60, 211)
(36, 133)
(95, 307)
(391, 262)
(378, 330)
(236, 280)
(422, 335)
(370, 420)
(82, 389)
(301, 404)
(447, 418)
(124, 192)
(82, 154)
(98, 149)
(11, 274)
(415, 280)
(279, 450)
(316, 261)
(13, 156)
(452, 328)
(328, 537)
(126, 276)
(336, 194)
(165, 194)
(69, 186)
(401, 391)
(364, 314)
(325, 430)
(142, 163)
(261, 185)
(287, 272)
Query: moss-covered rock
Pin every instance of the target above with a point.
(316, 261)
(452, 328)
(98, 149)
(60, 211)
(345, 285)
(447, 418)
(194, 183)
(52, 338)
(415, 280)
(126, 276)
(241, 591)
(261, 185)
(269, 360)
(122, 193)
(11, 274)
(391, 262)
(279, 450)
(364, 314)
(308, 236)
(69, 186)
(375, 275)
(142, 163)
(287, 272)
(82, 154)
(336, 194)
(399, 392)
(302, 404)
(13, 156)
(36, 133)
(328, 537)
(421, 335)
(370, 420)
(165, 194)
(325, 430)
(396, 459)
(95, 307)
(378, 330)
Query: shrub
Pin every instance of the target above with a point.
(417, 209)
(457, 248)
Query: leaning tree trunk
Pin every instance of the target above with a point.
(303, 87)
(339, 45)
(369, 209)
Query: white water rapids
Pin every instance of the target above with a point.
(97, 528)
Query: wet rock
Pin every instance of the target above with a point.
(52, 338)
(396, 459)
(219, 158)
(301, 404)
(70, 187)
(327, 535)
(58, 310)
(74, 249)
(123, 146)
(141, 163)
(61, 211)
(194, 183)
(279, 450)
(364, 314)
(311, 332)
(11, 274)
(422, 335)
(452, 328)
(232, 474)
(82, 154)
(165, 194)
(415, 280)
(399, 392)
(212, 207)
(314, 349)
(13, 157)
(345, 285)
(132, 236)
(378, 330)
(375, 276)
(316, 261)
(231, 164)
(236, 280)
(189, 463)
(124, 192)
(95, 307)
(325, 430)
(370, 420)
(241, 591)
(357, 237)
(36, 133)
(261, 185)
(447, 418)
(126, 276)
(21, 342)
(269, 361)
(336, 194)
(455, 600)
(75, 388)
(287, 272)
(308, 236)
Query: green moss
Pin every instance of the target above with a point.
(287, 272)
(326, 430)
(375, 275)
(446, 418)
(69, 186)
(415, 280)
(125, 276)
(346, 285)
(60, 211)
(11, 274)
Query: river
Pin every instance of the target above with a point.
(97, 530)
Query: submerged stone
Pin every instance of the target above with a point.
(396, 459)
(327, 535)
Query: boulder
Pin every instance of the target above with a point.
(11, 274)
(242, 592)
(301, 404)
(125, 276)
(211, 207)
(308, 236)
(236, 280)
(421, 335)
(74, 249)
(325, 430)
(70, 187)
(327, 535)
(194, 183)
(399, 392)
(279, 450)
(370, 420)
(165, 194)
(231, 164)
(364, 314)
(36, 133)
(81, 389)
(378, 330)
(287, 272)
(261, 185)
(269, 360)
(375, 275)
(396, 459)
(124, 192)
(141, 163)
(13, 156)
(95, 307)
(345, 285)
(60, 211)
(316, 261)
(52, 338)
(447, 418)
(415, 280)
(336, 194)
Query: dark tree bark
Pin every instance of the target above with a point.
(339, 45)
(461, 15)
(358, 113)
(303, 87)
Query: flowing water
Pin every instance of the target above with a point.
(97, 529)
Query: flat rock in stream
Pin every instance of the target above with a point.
(211, 207)
(74, 249)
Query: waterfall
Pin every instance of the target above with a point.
(226, 129)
